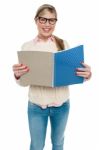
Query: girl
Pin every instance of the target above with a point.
(47, 102)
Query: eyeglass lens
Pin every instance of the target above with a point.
(43, 20)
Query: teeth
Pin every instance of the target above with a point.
(46, 29)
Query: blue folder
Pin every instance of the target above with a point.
(65, 64)
(52, 69)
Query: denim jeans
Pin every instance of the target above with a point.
(38, 119)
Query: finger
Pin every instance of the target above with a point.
(87, 77)
(84, 76)
(82, 69)
(82, 73)
(17, 65)
(20, 68)
(21, 72)
(23, 67)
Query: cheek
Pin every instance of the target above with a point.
(39, 26)
(53, 28)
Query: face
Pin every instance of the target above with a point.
(46, 27)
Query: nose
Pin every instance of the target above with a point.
(47, 22)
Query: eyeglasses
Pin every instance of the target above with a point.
(43, 20)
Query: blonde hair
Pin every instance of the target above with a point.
(43, 7)
(59, 43)
(51, 9)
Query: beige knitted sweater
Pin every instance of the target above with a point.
(45, 96)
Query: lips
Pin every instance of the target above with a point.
(46, 29)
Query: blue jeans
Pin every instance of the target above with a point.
(38, 119)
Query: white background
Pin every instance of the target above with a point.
(78, 24)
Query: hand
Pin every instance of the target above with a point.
(84, 72)
(19, 70)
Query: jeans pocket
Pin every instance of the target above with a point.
(34, 107)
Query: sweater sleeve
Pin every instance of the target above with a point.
(66, 44)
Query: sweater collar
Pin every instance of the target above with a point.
(38, 39)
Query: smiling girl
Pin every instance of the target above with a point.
(47, 102)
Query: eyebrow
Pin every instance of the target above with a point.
(46, 18)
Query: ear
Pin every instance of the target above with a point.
(35, 20)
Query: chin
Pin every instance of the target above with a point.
(46, 35)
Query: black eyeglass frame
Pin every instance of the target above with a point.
(47, 19)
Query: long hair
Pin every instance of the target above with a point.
(59, 43)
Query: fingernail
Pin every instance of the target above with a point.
(27, 69)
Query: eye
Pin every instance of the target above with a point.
(42, 20)
(52, 20)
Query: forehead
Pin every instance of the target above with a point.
(47, 14)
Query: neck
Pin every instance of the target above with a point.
(44, 38)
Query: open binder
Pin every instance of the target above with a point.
(52, 69)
